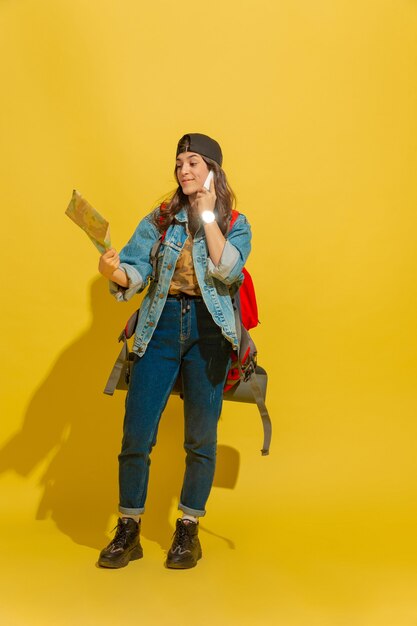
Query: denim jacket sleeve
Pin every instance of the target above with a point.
(135, 260)
(235, 253)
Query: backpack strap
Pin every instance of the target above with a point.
(117, 369)
(123, 357)
(244, 340)
(263, 411)
(157, 245)
(154, 255)
(233, 218)
(131, 324)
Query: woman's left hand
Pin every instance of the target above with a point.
(205, 200)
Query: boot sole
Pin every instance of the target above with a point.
(182, 564)
(136, 554)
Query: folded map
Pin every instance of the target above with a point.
(92, 223)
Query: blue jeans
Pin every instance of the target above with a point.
(186, 340)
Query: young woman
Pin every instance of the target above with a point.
(186, 327)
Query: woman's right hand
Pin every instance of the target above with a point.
(109, 262)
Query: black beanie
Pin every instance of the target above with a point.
(201, 144)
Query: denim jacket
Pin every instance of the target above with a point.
(215, 281)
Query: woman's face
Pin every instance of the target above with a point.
(191, 171)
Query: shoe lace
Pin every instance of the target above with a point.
(181, 536)
(120, 536)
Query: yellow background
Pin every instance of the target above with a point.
(314, 104)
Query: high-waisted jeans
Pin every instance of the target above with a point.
(186, 340)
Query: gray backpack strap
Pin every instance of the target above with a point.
(123, 357)
(266, 420)
(117, 369)
(245, 341)
(154, 256)
(155, 248)
(238, 320)
(130, 327)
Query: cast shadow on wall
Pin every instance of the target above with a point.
(70, 419)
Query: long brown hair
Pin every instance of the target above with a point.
(225, 200)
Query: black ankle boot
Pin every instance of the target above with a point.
(125, 546)
(186, 549)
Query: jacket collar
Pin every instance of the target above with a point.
(182, 218)
(182, 215)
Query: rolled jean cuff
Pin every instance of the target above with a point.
(188, 511)
(126, 511)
